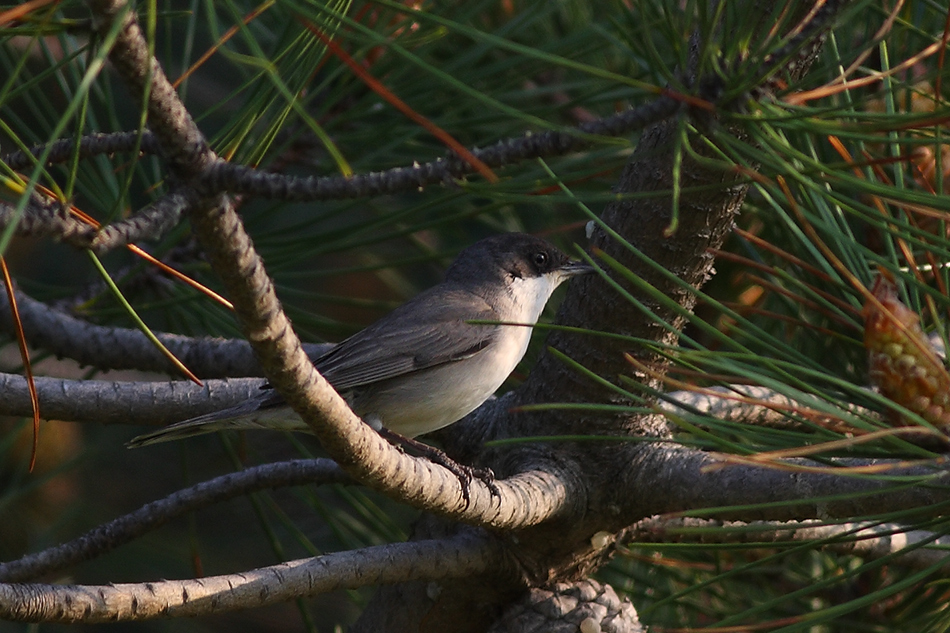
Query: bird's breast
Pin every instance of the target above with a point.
(427, 400)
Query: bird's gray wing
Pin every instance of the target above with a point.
(428, 331)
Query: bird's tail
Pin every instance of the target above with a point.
(252, 414)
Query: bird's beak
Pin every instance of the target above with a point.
(573, 268)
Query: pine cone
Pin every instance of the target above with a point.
(901, 361)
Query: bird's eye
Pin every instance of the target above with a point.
(540, 259)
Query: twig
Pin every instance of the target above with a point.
(223, 176)
(108, 536)
(149, 223)
(89, 145)
(45, 218)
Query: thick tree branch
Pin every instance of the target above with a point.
(668, 478)
(747, 404)
(116, 402)
(918, 549)
(751, 404)
(108, 536)
(464, 556)
(108, 347)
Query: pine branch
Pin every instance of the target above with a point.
(461, 557)
(915, 549)
(108, 347)
(120, 531)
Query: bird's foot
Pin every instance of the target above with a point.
(464, 473)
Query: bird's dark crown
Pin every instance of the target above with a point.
(513, 255)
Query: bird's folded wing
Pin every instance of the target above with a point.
(398, 345)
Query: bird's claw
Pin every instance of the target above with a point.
(464, 473)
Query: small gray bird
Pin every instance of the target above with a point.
(424, 365)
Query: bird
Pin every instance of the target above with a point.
(431, 361)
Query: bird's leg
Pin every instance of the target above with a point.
(464, 473)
